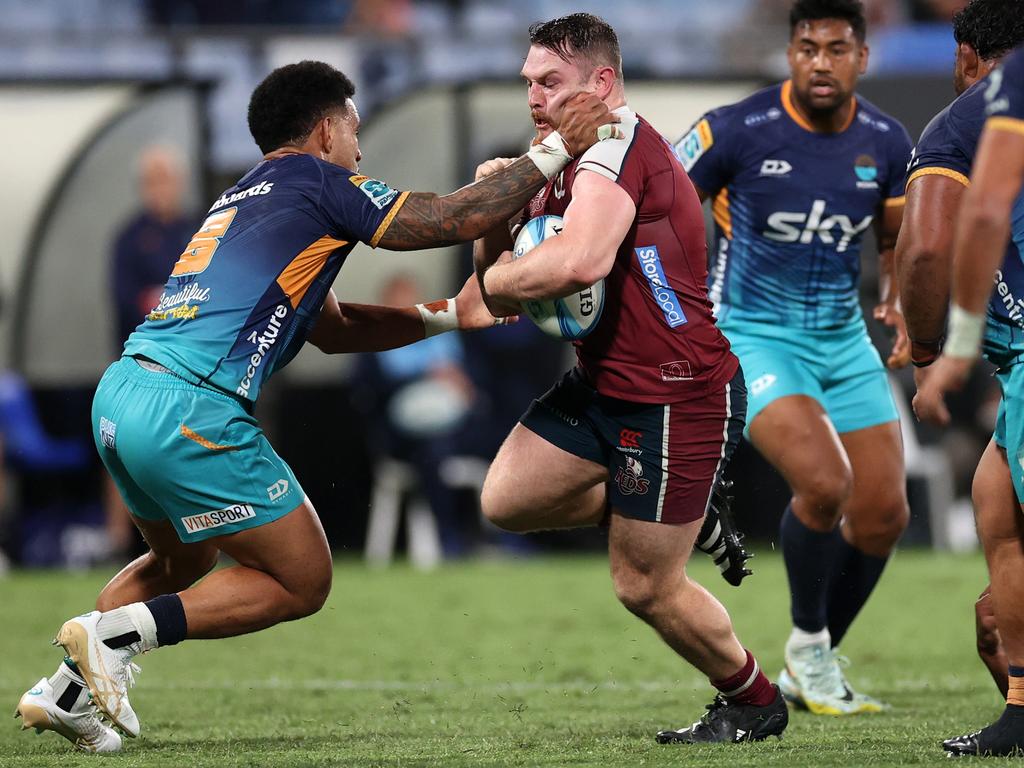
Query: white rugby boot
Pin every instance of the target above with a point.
(813, 680)
(41, 708)
(108, 672)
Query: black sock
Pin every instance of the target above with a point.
(809, 556)
(854, 577)
(169, 617)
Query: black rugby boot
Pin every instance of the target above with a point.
(1003, 738)
(719, 539)
(732, 723)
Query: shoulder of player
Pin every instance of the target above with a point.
(609, 156)
(750, 113)
(1014, 63)
(874, 119)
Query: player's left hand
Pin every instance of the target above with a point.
(945, 375)
(890, 316)
(473, 313)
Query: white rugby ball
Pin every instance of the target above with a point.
(571, 317)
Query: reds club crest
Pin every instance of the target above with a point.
(630, 478)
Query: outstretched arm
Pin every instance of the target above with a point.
(344, 327)
(427, 220)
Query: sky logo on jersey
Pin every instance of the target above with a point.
(793, 227)
(236, 513)
(650, 264)
(380, 194)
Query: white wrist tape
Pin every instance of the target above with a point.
(438, 317)
(550, 155)
(966, 330)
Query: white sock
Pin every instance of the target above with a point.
(62, 678)
(134, 617)
(800, 639)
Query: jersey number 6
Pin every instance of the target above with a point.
(197, 254)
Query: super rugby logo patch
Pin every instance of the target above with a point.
(380, 194)
(236, 513)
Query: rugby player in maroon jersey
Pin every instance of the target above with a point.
(638, 432)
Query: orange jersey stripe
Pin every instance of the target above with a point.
(300, 273)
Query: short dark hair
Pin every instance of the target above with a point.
(992, 28)
(814, 10)
(292, 99)
(579, 33)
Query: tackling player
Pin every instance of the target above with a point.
(799, 172)
(992, 211)
(985, 31)
(638, 432)
(173, 418)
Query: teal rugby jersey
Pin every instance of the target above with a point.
(1004, 97)
(250, 285)
(791, 206)
(947, 148)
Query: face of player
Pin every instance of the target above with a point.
(344, 132)
(825, 60)
(550, 81)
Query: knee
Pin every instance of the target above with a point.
(823, 494)
(880, 527)
(498, 507)
(309, 597)
(638, 592)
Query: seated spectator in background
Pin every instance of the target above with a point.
(418, 401)
(144, 253)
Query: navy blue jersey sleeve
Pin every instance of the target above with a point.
(1005, 94)
(900, 147)
(360, 207)
(706, 152)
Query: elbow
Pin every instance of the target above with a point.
(582, 272)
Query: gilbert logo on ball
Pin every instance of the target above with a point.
(570, 317)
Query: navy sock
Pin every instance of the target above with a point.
(854, 577)
(169, 617)
(809, 557)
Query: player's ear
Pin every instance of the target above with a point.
(324, 135)
(970, 62)
(604, 80)
(864, 55)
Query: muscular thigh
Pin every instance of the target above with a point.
(876, 457)
(530, 473)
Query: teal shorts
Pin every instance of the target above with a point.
(840, 368)
(188, 454)
(1009, 433)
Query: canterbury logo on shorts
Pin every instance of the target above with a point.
(233, 514)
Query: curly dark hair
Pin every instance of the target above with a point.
(992, 28)
(292, 99)
(813, 10)
(579, 33)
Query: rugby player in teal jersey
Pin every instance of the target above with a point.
(173, 418)
(992, 213)
(985, 31)
(799, 173)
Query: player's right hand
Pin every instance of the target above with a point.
(489, 167)
(946, 374)
(581, 118)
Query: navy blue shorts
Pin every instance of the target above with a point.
(663, 458)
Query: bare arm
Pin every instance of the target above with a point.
(427, 220)
(344, 327)
(596, 222)
(888, 310)
(924, 258)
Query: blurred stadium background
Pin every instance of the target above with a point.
(87, 87)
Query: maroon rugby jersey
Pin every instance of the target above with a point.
(656, 341)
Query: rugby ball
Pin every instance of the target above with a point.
(570, 317)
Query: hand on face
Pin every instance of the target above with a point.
(580, 123)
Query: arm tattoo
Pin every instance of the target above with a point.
(427, 220)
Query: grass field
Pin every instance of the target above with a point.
(506, 663)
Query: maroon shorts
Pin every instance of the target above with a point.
(662, 459)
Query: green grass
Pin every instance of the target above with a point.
(507, 664)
